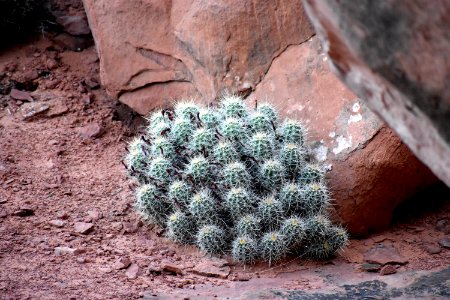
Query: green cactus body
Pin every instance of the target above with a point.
(316, 226)
(272, 246)
(151, 204)
(160, 169)
(235, 175)
(326, 242)
(293, 229)
(233, 107)
(233, 129)
(261, 146)
(268, 111)
(238, 201)
(224, 153)
(199, 169)
(203, 140)
(271, 174)
(232, 179)
(337, 238)
(180, 228)
(290, 198)
(180, 193)
(187, 110)
(136, 161)
(260, 123)
(311, 173)
(160, 129)
(315, 198)
(270, 212)
(209, 118)
(245, 250)
(204, 208)
(293, 158)
(163, 147)
(211, 239)
(156, 117)
(293, 132)
(182, 130)
(249, 225)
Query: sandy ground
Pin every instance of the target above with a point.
(61, 174)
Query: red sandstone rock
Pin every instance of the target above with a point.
(395, 55)
(189, 47)
(431, 248)
(24, 211)
(57, 223)
(383, 255)
(93, 130)
(132, 271)
(371, 170)
(20, 95)
(388, 270)
(171, 267)
(83, 228)
(122, 263)
(202, 48)
(75, 25)
(210, 270)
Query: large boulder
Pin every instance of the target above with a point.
(396, 56)
(371, 170)
(154, 51)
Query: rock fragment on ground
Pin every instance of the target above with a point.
(445, 242)
(370, 267)
(443, 225)
(122, 263)
(240, 277)
(91, 131)
(129, 227)
(24, 211)
(431, 248)
(382, 254)
(95, 215)
(387, 270)
(75, 25)
(83, 228)
(132, 271)
(171, 267)
(210, 270)
(57, 108)
(32, 109)
(20, 95)
(57, 223)
(66, 250)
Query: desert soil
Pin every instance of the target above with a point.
(67, 225)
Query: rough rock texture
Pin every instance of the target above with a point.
(265, 49)
(368, 163)
(71, 17)
(155, 51)
(396, 56)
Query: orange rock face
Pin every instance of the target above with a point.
(371, 170)
(397, 57)
(152, 52)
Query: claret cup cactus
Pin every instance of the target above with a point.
(233, 180)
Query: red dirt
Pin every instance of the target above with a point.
(52, 166)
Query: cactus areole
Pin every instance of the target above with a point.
(233, 181)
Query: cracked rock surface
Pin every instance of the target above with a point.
(152, 51)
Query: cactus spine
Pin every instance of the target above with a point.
(233, 180)
(211, 239)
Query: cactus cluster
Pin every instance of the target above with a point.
(233, 180)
